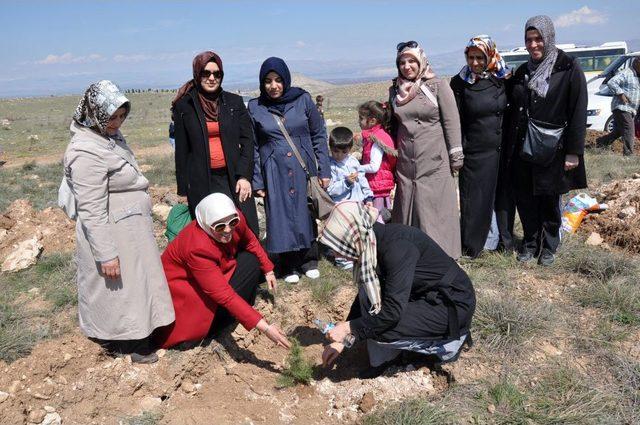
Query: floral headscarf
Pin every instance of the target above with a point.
(100, 101)
(349, 232)
(495, 64)
(408, 89)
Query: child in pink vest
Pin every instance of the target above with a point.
(379, 152)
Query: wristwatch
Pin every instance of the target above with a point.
(348, 340)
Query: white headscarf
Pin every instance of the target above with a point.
(212, 208)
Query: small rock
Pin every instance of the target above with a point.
(367, 403)
(627, 212)
(49, 409)
(635, 176)
(40, 396)
(52, 419)
(161, 211)
(36, 416)
(34, 291)
(150, 403)
(23, 256)
(188, 387)
(67, 357)
(146, 167)
(61, 380)
(13, 388)
(161, 353)
(491, 408)
(3, 396)
(594, 239)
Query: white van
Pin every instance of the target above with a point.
(599, 116)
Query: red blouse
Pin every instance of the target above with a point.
(215, 145)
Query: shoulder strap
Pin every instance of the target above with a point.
(294, 148)
(429, 95)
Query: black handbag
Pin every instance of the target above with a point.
(319, 200)
(542, 140)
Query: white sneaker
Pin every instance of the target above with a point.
(312, 274)
(292, 278)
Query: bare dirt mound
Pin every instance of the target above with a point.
(616, 146)
(72, 378)
(50, 228)
(620, 224)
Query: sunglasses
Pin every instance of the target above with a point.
(206, 74)
(219, 227)
(412, 44)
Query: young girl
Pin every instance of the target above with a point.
(378, 152)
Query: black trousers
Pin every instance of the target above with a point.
(299, 261)
(541, 219)
(505, 207)
(245, 281)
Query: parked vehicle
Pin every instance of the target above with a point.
(599, 116)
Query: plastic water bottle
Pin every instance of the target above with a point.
(324, 325)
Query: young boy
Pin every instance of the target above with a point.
(346, 182)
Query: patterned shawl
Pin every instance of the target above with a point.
(349, 232)
(539, 81)
(495, 64)
(408, 89)
(100, 101)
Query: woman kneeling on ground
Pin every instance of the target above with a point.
(412, 295)
(214, 267)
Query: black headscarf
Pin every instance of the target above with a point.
(289, 94)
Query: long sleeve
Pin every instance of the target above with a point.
(577, 117)
(450, 118)
(340, 187)
(364, 186)
(90, 185)
(210, 279)
(181, 154)
(245, 166)
(318, 133)
(615, 83)
(252, 245)
(399, 261)
(257, 181)
(376, 160)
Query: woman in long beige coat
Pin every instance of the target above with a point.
(122, 291)
(426, 127)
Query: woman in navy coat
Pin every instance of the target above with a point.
(278, 176)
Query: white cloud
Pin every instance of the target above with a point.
(300, 44)
(68, 58)
(584, 15)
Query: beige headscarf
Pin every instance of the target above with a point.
(408, 89)
(349, 232)
(212, 208)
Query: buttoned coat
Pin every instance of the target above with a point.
(278, 172)
(426, 194)
(114, 221)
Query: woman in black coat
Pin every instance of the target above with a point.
(550, 88)
(481, 96)
(214, 140)
(412, 295)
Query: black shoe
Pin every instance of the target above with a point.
(525, 256)
(546, 259)
(144, 358)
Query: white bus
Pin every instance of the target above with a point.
(593, 59)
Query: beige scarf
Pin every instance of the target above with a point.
(408, 89)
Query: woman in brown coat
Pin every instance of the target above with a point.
(426, 127)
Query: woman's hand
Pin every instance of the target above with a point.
(571, 161)
(272, 283)
(273, 333)
(111, 269)
(339, 332)
(324, 182)
(243, 189)
(261, 193)
(331, 353)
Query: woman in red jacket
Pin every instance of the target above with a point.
(214, 267)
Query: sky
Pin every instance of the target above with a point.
(60, 47)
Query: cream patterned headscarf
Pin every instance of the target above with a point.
(495, 64)
(100, 101)
(349, 232)
(408, 89)
(212, 208)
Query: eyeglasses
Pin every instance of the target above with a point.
(206, 74)
(221, 226)
(412, 44)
